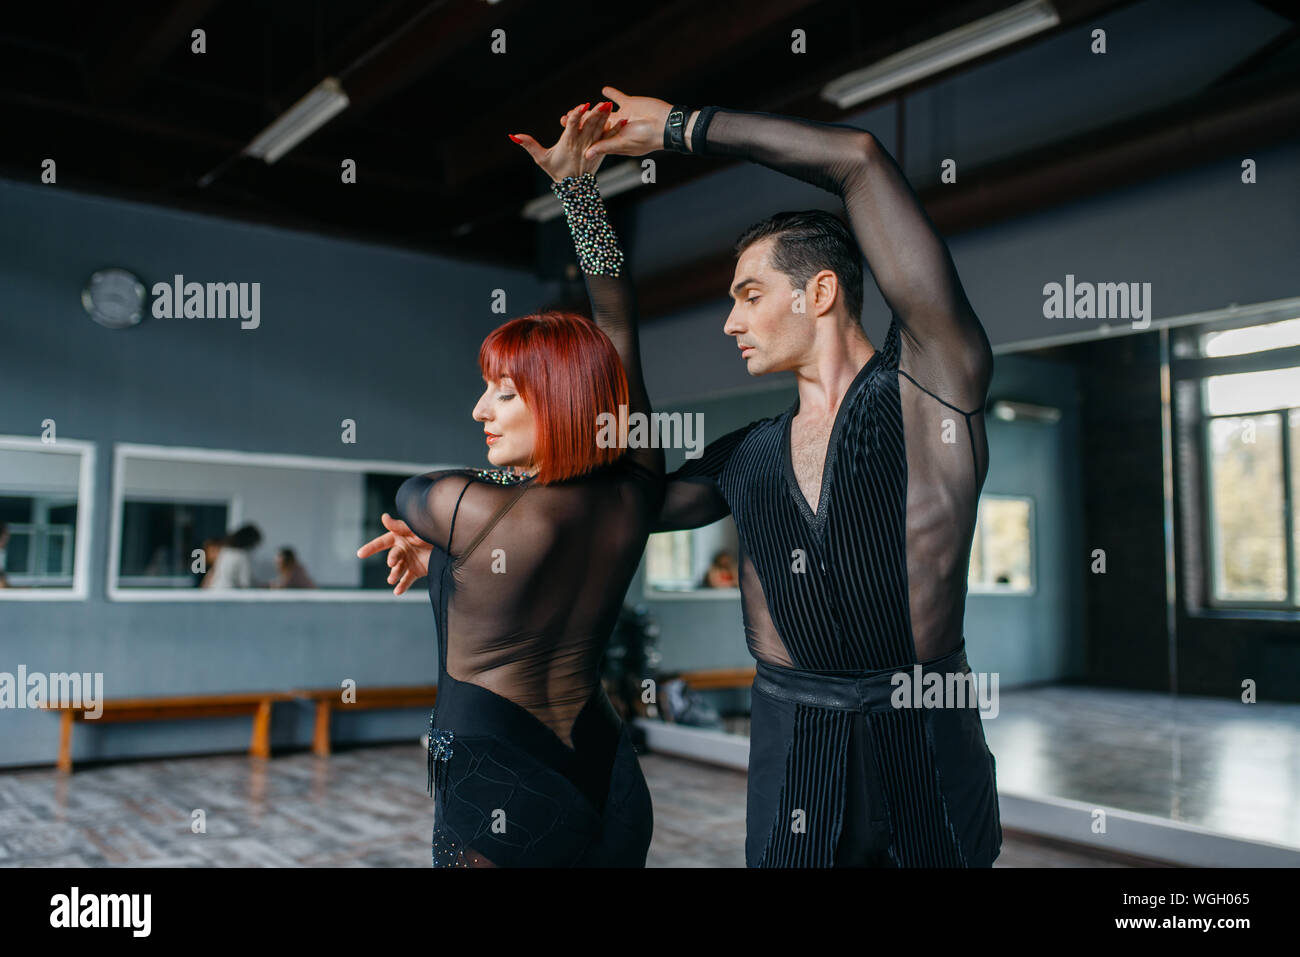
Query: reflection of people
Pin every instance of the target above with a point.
(855, 513)
(234, 564)
(525, 725)
(722, 572)
(4, 543)
(211, 549)
(291, 572)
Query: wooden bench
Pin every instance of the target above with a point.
(255, 703)
(330, 699)
(716, 678)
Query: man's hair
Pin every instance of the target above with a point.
(807, 242)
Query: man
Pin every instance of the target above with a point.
(855, 508)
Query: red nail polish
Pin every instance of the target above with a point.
(607, 106)
(513, 137)
(622, 123)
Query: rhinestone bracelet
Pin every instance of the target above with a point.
(598, 250)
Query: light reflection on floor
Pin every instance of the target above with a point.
(1213, 762)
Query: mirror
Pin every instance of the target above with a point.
(200, 524)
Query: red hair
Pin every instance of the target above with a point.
(567, 371)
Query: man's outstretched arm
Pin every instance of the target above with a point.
(693, 496)
(906, 255)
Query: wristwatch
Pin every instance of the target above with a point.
(675, 129)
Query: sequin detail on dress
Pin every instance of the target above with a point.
(439, 754)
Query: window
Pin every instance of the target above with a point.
(40, 540)
(45, 504)
(668, 561)
(699, 562)
(1001, 558)
(1250, 435)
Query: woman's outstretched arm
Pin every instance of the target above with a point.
(604, 270)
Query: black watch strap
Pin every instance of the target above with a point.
(675, 129)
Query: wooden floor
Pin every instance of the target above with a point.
(1216, 763)
(360, 808)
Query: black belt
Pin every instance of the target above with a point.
(865, 692)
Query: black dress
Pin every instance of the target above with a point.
(874, 581)
(532, 765)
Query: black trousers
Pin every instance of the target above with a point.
(840, 777)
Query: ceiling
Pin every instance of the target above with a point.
(128, 110)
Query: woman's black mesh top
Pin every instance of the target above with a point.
(876, 577)
(527, 598)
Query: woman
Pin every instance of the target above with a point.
(234, 565)
(290, 572)
(528, 569)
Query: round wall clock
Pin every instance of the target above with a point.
(114, 298)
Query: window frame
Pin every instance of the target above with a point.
(79, 590)
(1196, 368)
(1209, 599)
(123, 450)
(1007, 590)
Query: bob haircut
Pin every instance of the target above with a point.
(568, 372)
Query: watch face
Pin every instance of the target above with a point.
(114, 298)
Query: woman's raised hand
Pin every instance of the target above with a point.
(583, 128)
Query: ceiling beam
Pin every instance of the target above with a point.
(422, 44)
(656, 53)
(143, 46)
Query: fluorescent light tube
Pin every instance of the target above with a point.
(942, 52)
(1009, 411)
(618, 179)
(325, 101)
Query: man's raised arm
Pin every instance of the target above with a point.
(909, 260)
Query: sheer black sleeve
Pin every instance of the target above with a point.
(426, 503)
(944, 344)
(609, 286)
(693, 496)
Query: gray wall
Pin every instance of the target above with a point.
(386, 337)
